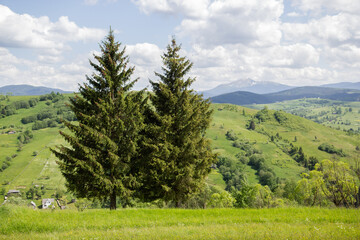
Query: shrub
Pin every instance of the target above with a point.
(326, 147)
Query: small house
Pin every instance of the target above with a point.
(46, 202)
(12, 193)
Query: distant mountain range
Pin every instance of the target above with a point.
(347, 85)
(248, 85)
(26, 90)
(244, 98)
(263, 87)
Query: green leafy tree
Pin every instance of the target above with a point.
(101, 160)
(339, 183)
(309, 189)
(177, 156)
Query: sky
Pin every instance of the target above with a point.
(297, 42)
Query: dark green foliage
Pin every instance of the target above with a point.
(263, 115)
(44, 124)
(280, 116)
(35, 193)
(25, 137)
(28, 119)
(252, 125)
(232, 172)
(290, 190)
(10, 109)
(244, 196)
(102, 160)
(177, 155)
(231, 135)
(329, 148)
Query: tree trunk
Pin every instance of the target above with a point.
(113, 201)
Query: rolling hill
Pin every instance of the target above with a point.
(244, 98)
(28, 90)
(30, 164)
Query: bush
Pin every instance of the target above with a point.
(221, 200)
(326, 147)
(231, 135)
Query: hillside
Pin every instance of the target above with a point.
(341, 115)
(28, 90)
(244, 98)
(30, 163)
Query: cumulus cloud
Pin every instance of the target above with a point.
(332, 5)
(333, 30)
(146, 58)
(254, 23)
(25, 31)
(189, 8)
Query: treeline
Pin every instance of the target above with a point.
(50, 117)
(11, 108)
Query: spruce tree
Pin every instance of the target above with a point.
(101, 160)
(177, 156)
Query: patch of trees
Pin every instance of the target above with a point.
(280, 116)
(11, 108)
(329, 148)
(330, 182)
(35, 192)
(263, 115)
(232, 172)
(49, 118)
(294, 152)
(53, 97)
(25, 137)
(265, 173)
(7, 162)
(44, 124)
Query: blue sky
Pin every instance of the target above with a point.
(298, 42)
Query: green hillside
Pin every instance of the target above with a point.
(31, 163)
(335, 114)
(271, 137)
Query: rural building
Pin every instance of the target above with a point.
(46, 202)
(11, 193)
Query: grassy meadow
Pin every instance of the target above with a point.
(276, 223)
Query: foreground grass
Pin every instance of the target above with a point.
(284, 223)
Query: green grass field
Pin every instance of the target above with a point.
(284, 223)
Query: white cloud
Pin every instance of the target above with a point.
(189, 8)
(146, 58)
(352, 6)
(25, 31)
(293, 14)
(90, 2)
(253, 23)
(333, 30)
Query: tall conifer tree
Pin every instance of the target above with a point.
(100, 162)
(177, 156)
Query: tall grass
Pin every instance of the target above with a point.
(284, 223)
